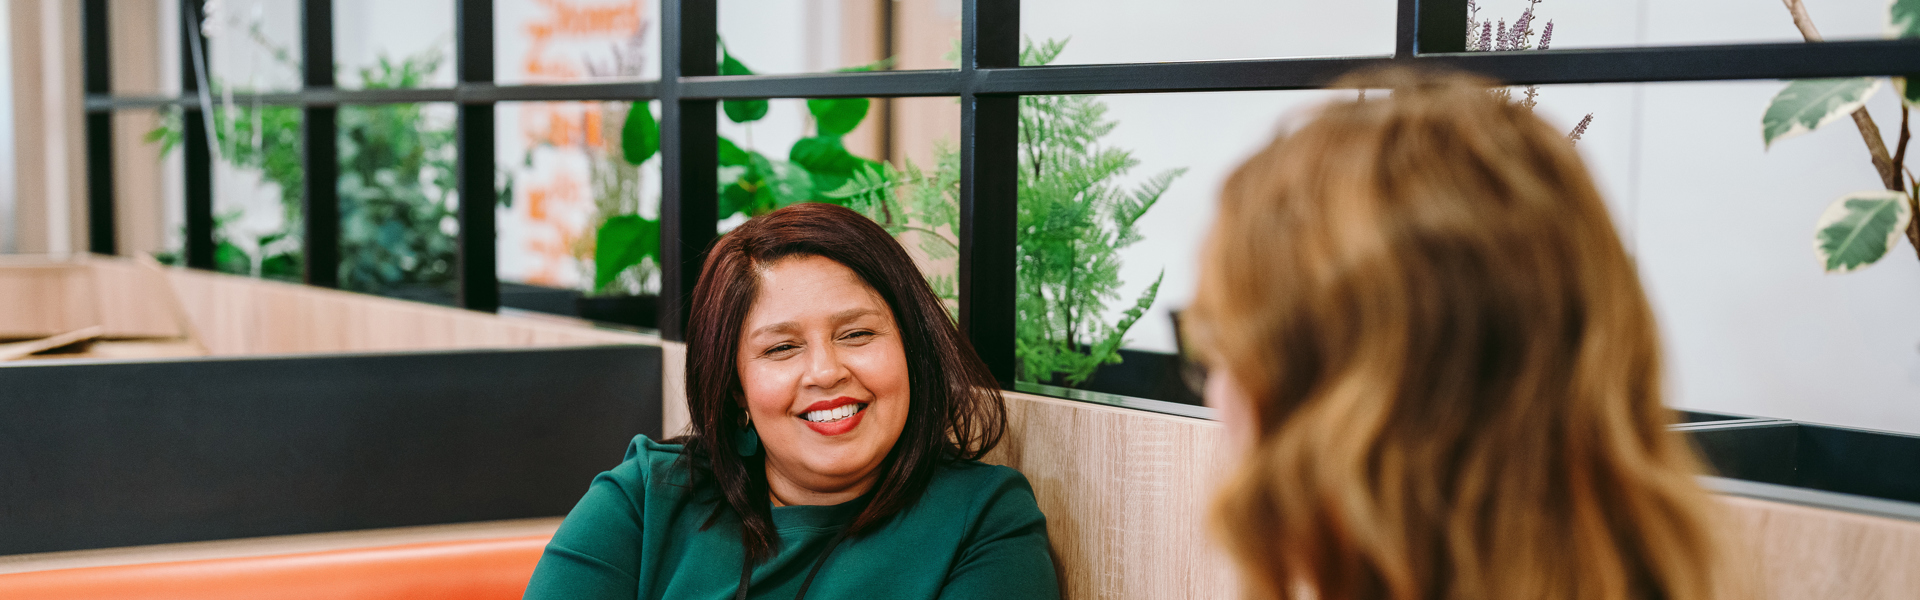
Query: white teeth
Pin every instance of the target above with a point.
(834, 414)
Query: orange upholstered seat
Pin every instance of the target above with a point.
(485, 569)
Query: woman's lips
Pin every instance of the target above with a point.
(833, 428)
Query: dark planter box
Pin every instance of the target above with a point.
(635, 311)
(1822, 465)
(98, 454)
(1821, 457)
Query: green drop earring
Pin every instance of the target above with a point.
(746, 441)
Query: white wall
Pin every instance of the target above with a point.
(1722, 227)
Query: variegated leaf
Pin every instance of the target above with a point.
(1806, 104)
(1860, 228)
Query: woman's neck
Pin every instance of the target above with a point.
(783, 491)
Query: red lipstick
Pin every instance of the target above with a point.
(836, 427)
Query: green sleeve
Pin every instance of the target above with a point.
(595, 552)
(1007, 555)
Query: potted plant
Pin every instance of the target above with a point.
(626, 245)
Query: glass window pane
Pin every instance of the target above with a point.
(253, 45)
(554, 41)
(384, 44)
(785, 36)
(256, 188)
(399, 203)
(1678, 22)
(569, 178)
(893, 159)
(1128, 31)
(1722, 227)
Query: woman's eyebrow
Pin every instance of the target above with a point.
(781, 327)
(853, 313)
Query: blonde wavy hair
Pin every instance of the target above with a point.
(1453, 372)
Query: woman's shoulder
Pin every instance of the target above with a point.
(648, 460)
(981, 487)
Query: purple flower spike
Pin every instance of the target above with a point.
(1486, 36)
(1518, 39)
(1500, 43)
(1546, 36)
(1580, 129)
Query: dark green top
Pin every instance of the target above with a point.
(975, 533)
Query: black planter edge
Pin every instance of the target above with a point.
(1849, 503)
(1156, 406)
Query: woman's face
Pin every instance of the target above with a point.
(825, 376)
(1223, 393)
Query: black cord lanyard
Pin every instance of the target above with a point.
(746, 569)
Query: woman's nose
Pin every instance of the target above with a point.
(824, 369)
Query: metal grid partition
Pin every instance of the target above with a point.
(989, 83)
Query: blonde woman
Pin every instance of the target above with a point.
(1436, 364)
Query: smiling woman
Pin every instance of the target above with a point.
(837, 418)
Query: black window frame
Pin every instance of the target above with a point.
(989, 83)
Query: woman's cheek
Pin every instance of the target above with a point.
(1236, 411)
(769, 388)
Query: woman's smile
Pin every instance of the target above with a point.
(834, 417)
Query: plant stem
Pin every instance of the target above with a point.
(1900, 147)
(1869, 132)
(1913, 193)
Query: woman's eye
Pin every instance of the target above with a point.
(857, 335)
(780, 348)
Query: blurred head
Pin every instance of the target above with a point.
(1436, 363)
(812, 326)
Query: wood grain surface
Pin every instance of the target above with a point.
(155, 307)
(1805, 552)
(238, 315)
(1124, 492)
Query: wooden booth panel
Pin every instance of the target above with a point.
(238, 315)
(1124, 493)
(1805, 552)
(41, 298)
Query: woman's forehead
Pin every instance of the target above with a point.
(805, 290)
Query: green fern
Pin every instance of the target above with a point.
(1075, 216)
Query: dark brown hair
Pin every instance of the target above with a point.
(955, 410)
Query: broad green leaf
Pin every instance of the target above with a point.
(735, 198)
(622, 242)
(1806, 104)
(730, 154)
(640, 136)
(837, 116)
(1909, 94)
(740, 111)
(1860, 228)
(824, 155)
